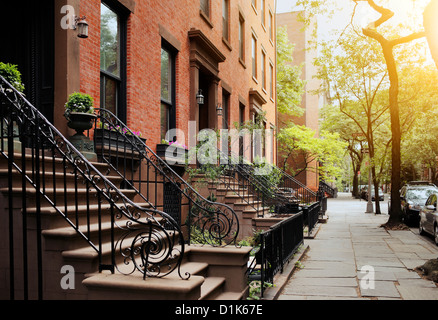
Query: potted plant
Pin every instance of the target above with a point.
(106, 135)
(79, 113)
(11, 74)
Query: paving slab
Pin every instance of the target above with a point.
(381, 289)
(332, 273)
(326, 282)
(418, 293)
(321, 291)
(412, 263)
(417, 283)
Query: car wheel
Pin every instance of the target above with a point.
(435, 234)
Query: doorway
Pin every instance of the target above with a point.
(29, 43)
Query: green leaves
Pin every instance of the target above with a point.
(290, 86)
(79, 102)
(12, 75)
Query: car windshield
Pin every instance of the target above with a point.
(420, 193)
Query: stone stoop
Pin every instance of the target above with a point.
(215, 273)
(239, 200)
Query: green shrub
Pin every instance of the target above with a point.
(79, 102)
(12, 75)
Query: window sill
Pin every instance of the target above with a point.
(227, 44)
(205, 17)
(242, 63)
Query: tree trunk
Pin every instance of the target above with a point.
(395, 212)
(430, 22)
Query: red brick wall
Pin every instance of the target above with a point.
(143, 58)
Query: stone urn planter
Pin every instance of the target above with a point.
(79, 113)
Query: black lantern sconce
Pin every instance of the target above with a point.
(82, 26)
(219, 109)
(199, 97)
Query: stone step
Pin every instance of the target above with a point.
(211, 288)
(54, 179)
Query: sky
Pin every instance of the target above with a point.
(364, 13)
(407, 12)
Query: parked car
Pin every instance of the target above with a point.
(364, 194)
(373, 195)
(429, 217)
(413, 197)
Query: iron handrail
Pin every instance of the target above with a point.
(142, 228)
(265, 192)
(217, 222)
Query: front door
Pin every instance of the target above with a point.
(28, 42)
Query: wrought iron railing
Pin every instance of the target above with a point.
(45, 170)
(276, 248)
(298, 190)
(158, 183)
(250, 185)
(325, 188)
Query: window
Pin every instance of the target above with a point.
(271, 24)
(241, 122)
(205, 7)
(113, 62)
(254, 57)
(254, 4)
(262, 11)
(225, 19)
(263, 69)
(271, 81)
(225, 111)
(241, 38)
(168, 117)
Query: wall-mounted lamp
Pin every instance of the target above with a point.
(199, 97)
(82, 26)
(219, 109)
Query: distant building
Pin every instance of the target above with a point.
(310, 102)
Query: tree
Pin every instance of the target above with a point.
(290, 87)
(356, 81)
(301, 142)
(388, 45)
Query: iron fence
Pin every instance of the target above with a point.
(277, 247)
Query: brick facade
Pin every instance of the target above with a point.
(148, 23)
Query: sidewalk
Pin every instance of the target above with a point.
(350, 240)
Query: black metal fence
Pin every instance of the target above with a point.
(277, 247)
(311, 215)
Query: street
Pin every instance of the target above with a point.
(352, 257)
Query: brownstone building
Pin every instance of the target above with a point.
(147, 60)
